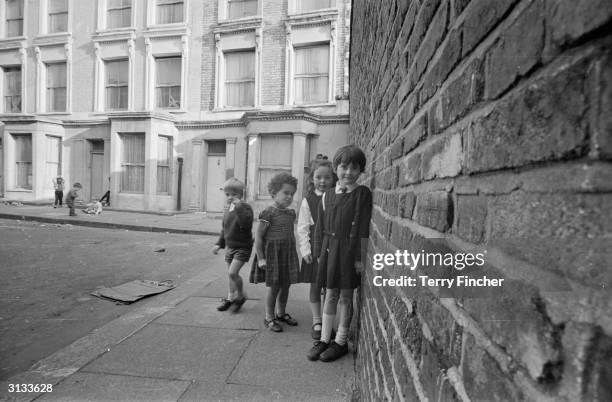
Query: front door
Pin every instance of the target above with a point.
(97, 175)
(215, 197)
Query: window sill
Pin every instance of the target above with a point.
(54, 113)
(170, 110)
(115, 34)
(49, 39)
(236, 109)
(131, 193)
(14, 42)
(177, 29)
(20, 190)
(309, 105)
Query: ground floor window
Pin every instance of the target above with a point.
(276, 152)
(164, 165)
(132, 162)
(23, 161)
(53, 159)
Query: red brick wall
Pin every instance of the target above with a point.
(488, 123)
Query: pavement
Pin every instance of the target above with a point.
(176, 346)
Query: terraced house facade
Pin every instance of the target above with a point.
(135, 96)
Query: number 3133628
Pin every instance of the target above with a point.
(30, 388)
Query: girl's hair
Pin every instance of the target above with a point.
(314, 165)
(276, 183)
(350, 154)
(234, 185)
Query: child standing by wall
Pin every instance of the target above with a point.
(236, 234)
(320, 179)
(343, 226)
(58, 184)
(276, 262)
(71, 197)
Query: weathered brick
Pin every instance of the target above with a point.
(567, 22)
(407, 111)
(564, 233)
(422, 21)
(444, 330)
(414, 134)
(462, 93)
(544, 121)
(406, 385)
(457, 7)
(516, 52)
(482, 378)
(434, 210)
(600, 100)
(435, 33)
(431, 371)
(480, 17)
(442, 158)
(397, 149)
(471, 218)
(406, 204)
(410, 170)
(442, 66)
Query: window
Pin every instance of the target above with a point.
(119, 14)
(58, 16)
(23, 161)
(133, 163)
(311, 5)
(311, 74)
(116, 93)
(14, 18)
(53, 164)
(12, 90)
(164, 162)
(169, 11)
(240, 78)
(168, 82)
(274, 157)
(241, 8)
(56, 87)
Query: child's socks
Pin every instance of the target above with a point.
(328, 323)
(341, 335)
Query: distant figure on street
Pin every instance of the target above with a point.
(237, 235)
(71, 197)
(276, 262)
(105, 200)
(58, 184)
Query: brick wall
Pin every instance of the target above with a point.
(488, 123)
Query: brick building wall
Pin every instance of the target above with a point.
(488, 124)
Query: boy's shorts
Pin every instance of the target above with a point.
(240, 254)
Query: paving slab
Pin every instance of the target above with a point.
(278, 361)
(202, 312)
(175, 352)
(84, 387)
(237, 392)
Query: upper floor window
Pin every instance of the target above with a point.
(12, 89)
(119, 14)
(58, 16)
(304, 6)
(116, 85)
(56, 87)
(240, 78)
(241, 8)
(311, 77)
(168, 82)
(169, 11)
(14, 18)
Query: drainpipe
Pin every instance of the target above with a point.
(180, 178)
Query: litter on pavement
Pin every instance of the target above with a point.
(135, 290)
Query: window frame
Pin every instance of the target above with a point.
(106, 85)
(156, 86)
(108, 9)
(295, 77)
(156, 5)
(16, 137)
(126, 164)
(49, 14)
(262, 193)
(4, 89)
(168, 165)
(224, 90)
(46, 88)
(5, 8)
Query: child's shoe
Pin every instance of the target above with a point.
(316, 333)
(237, 304)
(287, 319)
(225, 304)
(318, 348)
(273, 325)
(333, 352)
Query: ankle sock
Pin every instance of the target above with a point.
(327, 326)
(341, 335)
